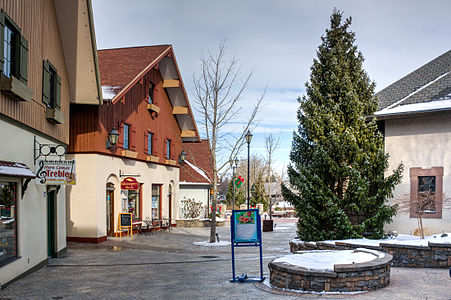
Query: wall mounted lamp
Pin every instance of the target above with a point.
(182, 157)
(113, 136)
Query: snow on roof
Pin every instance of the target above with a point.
(109, 92)
(325, 260)
(417, 107)
(15, 169)
(198, 170)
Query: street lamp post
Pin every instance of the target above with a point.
(248, 140)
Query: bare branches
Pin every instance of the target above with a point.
(217, 90)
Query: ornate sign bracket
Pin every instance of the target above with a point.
(48, 149)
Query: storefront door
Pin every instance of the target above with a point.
(51, 222)
(110, 209)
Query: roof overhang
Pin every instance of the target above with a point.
(405, 115)
(15, 169)
(173, 84)
(76, 25)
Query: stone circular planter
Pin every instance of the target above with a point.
(332, 270)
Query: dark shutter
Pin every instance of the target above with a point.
(132, 140)
(57, 92)
(146, 142)
(2, 38)
(46, 83)
(120, 140)
(22, 53)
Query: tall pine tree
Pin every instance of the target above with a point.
(337, 157)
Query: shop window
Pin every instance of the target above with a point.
(8, 226)
(156, 202)
(168, 149)
(134, 204)
(426, 187)
(13, 59)
(126, 136)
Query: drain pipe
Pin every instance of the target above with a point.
(217, 237)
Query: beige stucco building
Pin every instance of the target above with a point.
(47, 62)
(415, 113)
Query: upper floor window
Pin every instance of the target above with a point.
(126, 136)
(168, 149)
(14, 51)
(150, 95)
(149, 143)
(51, 86)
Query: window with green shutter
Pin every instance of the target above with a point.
(13, 59)
(51, 92)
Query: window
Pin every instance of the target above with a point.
(134, 204)
(168, 149)
(149, 143)
(126, 136)
(51, 92)
(426, 188)
(150, 95)
(13, 59)
(8, 226)
(426, 194)
(156, 202)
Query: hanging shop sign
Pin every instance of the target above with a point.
(129, 183)
(55, 172)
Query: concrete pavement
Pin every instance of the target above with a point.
(167, 265)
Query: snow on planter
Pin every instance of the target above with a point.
(332, 270)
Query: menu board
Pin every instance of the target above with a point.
(246, 226)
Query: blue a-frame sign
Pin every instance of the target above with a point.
(246, 231)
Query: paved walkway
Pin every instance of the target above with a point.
(167, 265)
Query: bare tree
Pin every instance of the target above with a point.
(271, 145)
(218, 88)
(421, 204)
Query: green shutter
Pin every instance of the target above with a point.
(46, 83)
(58, 92)
(2, 38)
(22, 53)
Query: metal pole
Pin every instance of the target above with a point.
(233, 183)
(248, 178)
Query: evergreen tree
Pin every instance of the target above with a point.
(240, 196)
(259, 193)
(337, 158)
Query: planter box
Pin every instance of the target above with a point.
(268, 225)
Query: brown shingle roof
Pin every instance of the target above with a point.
(199, 155)
(120, 66)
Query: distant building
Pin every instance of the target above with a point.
(195, 174)
(48, 62)
(415, 116)
(146, 102)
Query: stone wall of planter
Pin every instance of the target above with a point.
(435, 255)
(197, 223)
(356, 277)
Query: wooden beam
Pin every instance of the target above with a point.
(180, 110)
(188, 133)
(171, 83)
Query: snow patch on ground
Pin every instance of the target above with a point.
(324, 260)
(215, 244)
(281, 228)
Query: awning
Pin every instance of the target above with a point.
(10, 168)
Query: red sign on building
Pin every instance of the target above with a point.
(129, 183)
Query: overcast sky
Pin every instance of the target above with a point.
(278, 40)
